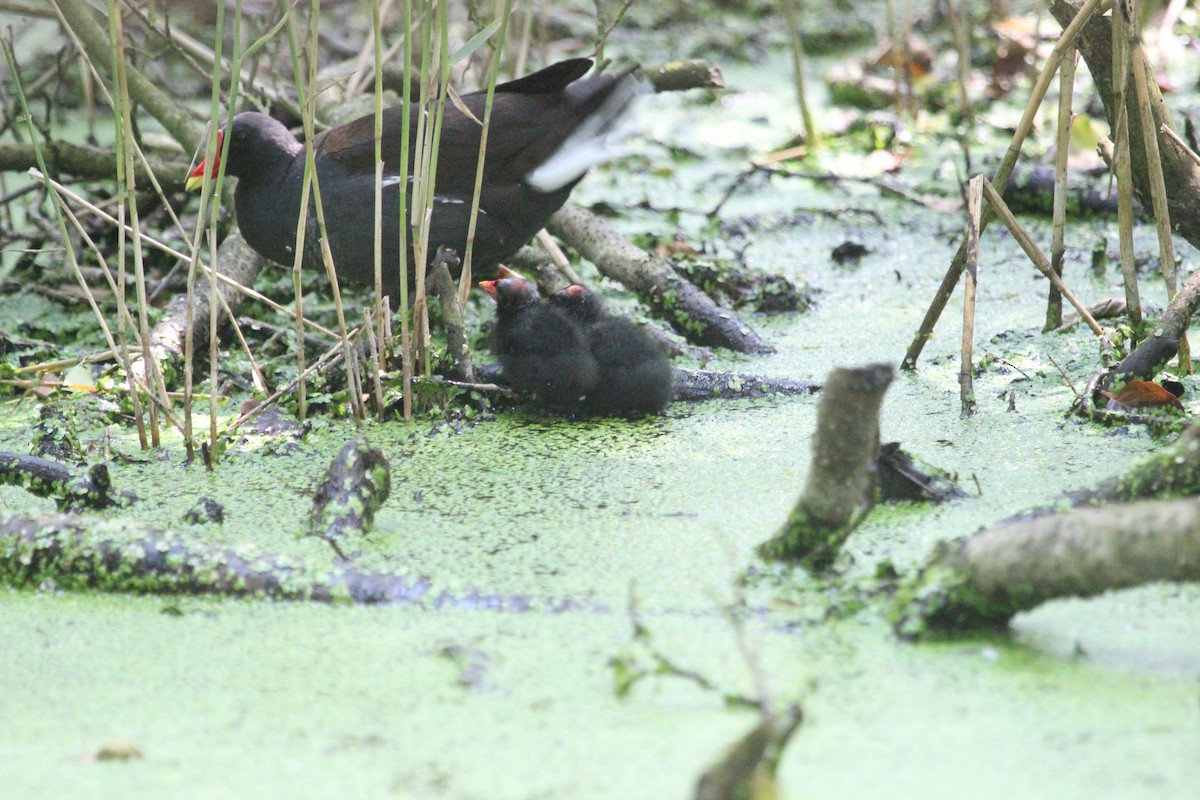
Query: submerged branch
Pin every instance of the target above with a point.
(678, 76)
(696, 385)
(71, 489)
(75, 552)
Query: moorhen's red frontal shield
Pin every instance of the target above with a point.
(541, 350)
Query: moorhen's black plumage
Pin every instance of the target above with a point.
(634, 375)
(547, 129)
(541, 350)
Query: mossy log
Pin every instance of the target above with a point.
(356, 485)
(985, 579)
(82, 552)
(71, 489)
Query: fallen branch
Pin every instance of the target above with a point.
(70, 489)
(73, 552)
(79, 18)
(90, 163)
(839, 490)
(683, 305)
(983, 580)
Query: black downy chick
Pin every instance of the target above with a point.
(541, 350)
(634, 375)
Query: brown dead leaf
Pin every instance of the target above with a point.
(1141, 394)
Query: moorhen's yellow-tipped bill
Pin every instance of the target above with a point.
(195, 178)
(547, 129)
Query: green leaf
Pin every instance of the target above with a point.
(475, 42)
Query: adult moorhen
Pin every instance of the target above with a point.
(541, 350)
(547, 129)
(634, 375)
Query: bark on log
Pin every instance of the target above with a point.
(683, 305)
(840, 484)
(983, 580)
(73, 552)
(92, 163)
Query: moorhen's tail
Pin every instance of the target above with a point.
(596, 138)
(551, 79)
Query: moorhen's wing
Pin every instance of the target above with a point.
(531, 117)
